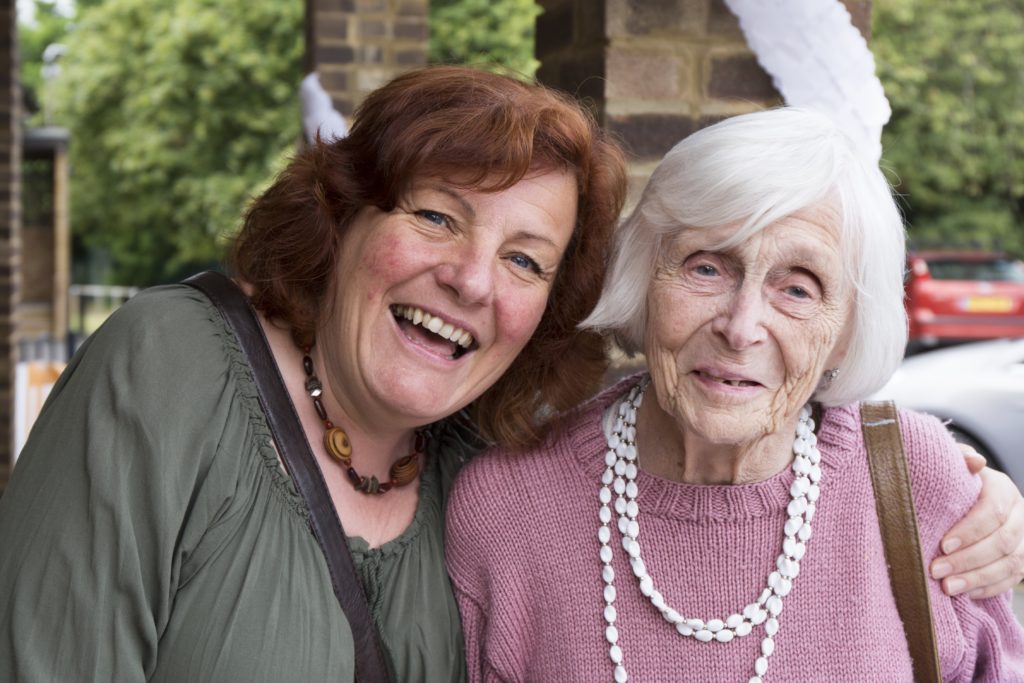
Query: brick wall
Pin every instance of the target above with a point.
(10, 219)
(358, 45)
(655, 70)
(571, 45)
(44, 267)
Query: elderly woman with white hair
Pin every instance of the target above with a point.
(761, 275)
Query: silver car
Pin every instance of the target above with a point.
(979, 389)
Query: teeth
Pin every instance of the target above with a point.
(436, 325)
(730, 382)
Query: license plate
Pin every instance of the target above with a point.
(987, 304)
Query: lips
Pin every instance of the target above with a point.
(726, 378)
(433, 331)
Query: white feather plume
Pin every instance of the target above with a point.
(318, 112)
(818, 59)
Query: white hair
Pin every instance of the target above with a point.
(753, 170)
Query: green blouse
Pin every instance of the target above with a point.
(148, 532)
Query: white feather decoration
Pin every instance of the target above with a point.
(318, 112)
(818, 59)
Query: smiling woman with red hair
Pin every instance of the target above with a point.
(473, 131)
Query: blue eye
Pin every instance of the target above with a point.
(798, 292)
(433, 216)
(705, 269)
(525, 262)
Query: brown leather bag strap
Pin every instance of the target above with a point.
(898, 523)
(298, 459)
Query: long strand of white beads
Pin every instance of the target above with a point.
(620, 477)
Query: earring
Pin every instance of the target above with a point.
(830, 375)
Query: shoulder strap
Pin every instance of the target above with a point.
(294, 450)
(888, 465)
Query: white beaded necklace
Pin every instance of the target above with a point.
(620, 477)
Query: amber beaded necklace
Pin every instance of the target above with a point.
(403, 471)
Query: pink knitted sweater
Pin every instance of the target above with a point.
(522, 551)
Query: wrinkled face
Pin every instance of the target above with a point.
(434, 299)
(737, 339)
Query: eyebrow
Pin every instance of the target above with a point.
(454, 194)
(534, 237)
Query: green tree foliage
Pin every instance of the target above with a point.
(492, 33)
(954, 74)
(179, 110)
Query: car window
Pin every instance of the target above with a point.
(995, 270)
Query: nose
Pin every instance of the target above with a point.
(742, 321)
(469, 275)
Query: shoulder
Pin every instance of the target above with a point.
(164, 335)
(166, 318)
(939, 478)
(502, 476)
(942, 488)
(165, 359)
(941, 483)
(924, 435)
(932, 455)
(933, 459)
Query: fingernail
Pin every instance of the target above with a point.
(941, 569)
(950, 544)
(954, 586)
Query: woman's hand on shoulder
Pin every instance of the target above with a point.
(983, 554)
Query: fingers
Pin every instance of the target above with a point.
(991, 565)
(991, 511)
(974, 460)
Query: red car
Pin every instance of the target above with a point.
(963, 295)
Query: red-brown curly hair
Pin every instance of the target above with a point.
(489, 131)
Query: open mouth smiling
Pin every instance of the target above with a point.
(433, 332)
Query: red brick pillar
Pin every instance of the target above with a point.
(655, 70)
(358, 45)
(10, 223)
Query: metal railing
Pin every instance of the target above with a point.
(83, 298)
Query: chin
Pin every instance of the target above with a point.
(425, 408)
(732, 429)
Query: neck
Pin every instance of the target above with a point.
(675, 452)
(376, 443)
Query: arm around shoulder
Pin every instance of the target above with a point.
(979, 640)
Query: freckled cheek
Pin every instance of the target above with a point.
(386, 263)
(517, 320)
